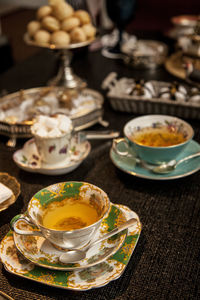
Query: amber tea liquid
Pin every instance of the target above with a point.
(70, 216)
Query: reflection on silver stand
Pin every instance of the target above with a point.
(65, 76)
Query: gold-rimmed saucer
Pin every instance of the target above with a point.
(12, 183)
(41, 252)
(79, 280)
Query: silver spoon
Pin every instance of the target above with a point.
(75, 255)
(97, 135)
(171, 165)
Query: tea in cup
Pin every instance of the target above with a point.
(155, 139)
(52, 137)
(68, 214)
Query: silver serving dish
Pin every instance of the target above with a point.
(82, 117)
(144, 54)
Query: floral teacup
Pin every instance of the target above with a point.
(154, 154)
(52, 138)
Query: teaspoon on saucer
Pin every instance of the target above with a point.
(75, 255)
(171, 165)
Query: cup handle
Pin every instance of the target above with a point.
(117, 151)
(23, 219)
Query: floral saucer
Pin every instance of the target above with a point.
(41, 252)
(28, 158)
(91, 277)
(128, 164)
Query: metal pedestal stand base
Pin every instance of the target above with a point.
(65, 76)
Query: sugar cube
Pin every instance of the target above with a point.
(54, 132)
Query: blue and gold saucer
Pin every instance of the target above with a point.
(128, 164)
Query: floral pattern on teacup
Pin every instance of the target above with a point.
(52, 148)
(63, 150)
(174, 126)
(31, 158)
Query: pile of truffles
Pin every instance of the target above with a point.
(174, 91)
(59, 24)
(178, 92)
(142, 88)
(153, 89)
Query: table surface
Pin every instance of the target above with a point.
(165, 263)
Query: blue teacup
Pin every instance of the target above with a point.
(154, 154)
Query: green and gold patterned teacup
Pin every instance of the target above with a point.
(68, 214)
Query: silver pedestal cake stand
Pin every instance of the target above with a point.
(65, 76)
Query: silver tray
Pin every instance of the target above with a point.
(121, 101)
(135, 56)
(82, 119)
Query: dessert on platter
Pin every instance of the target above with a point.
(58, 25)
(140, 96)
(18, 110)
(144, 54)
(23, 106)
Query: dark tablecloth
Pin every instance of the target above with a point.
(165, 263)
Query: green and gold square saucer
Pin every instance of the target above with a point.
(95, 276)
(41, 252)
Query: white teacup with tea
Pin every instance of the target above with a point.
(52, 137)
(68, 214)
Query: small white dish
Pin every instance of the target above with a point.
(29, 160)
